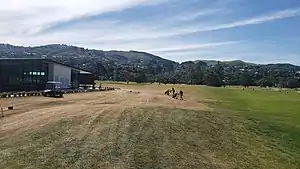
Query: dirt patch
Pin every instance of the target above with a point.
(35, 112)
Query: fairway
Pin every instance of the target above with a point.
(140, 127)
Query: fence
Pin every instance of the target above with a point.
(41, 93)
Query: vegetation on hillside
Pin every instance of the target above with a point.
(145, 67)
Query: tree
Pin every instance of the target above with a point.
(281, 82)
(115, 74)
(219, 70)
(293, 83)
(215, 76)
(140, 78)
(100, 70)
(246, 79)
(197, 74)
(213, 79)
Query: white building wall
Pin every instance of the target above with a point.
(62, 74)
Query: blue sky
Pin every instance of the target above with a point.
(260, 31)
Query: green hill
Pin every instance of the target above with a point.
(145, 67)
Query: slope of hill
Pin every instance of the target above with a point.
(57, 50)
(229, 63)
(141, 66)
(93, 60)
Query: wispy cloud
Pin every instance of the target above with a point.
(288, 13)
(119, 32)
(190, 47)
(255, 52)
(283, 14)
(194, 15)
(20, 17)
(171, 28)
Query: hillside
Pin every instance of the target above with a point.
(142, 66)
(63, 52)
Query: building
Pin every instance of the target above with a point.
(32, 74)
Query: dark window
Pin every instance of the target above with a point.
(19, 75)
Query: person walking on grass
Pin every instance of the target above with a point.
(167, 92)
(181, 94)
(175, 95)
(173, 90)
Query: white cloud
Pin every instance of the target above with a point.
(188, 47)
(192, 16)
(288, 13)
(207, 54)
(22, 23)
(19, 17)
(120, 32)
(238, 51)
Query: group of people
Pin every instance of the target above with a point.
(175, 94)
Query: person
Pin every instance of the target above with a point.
(2, 114)
(181, 94)
(167, 92)
(175, 95)
(173, 90)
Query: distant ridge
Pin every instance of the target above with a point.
(142, 66)
(8, 50)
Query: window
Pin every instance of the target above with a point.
(34, 73)
(38, 73)
(42, 73)
(30, 73)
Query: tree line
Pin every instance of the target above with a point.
(219, 74)
(144, 67)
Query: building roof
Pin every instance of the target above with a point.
(48, 60)
(84, 72)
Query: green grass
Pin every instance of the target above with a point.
(279, 106)
(247, 129)
(136, 138)
(273, 116)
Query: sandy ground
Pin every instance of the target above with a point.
(34, 112)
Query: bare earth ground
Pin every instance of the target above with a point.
(134, 127)
(30, 131)
(33, 112)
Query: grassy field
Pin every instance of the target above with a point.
(212, 128)
(272, 117)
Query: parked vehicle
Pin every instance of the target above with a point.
(53, 89)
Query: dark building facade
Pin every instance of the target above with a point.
(86, 78)
(33, 74)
